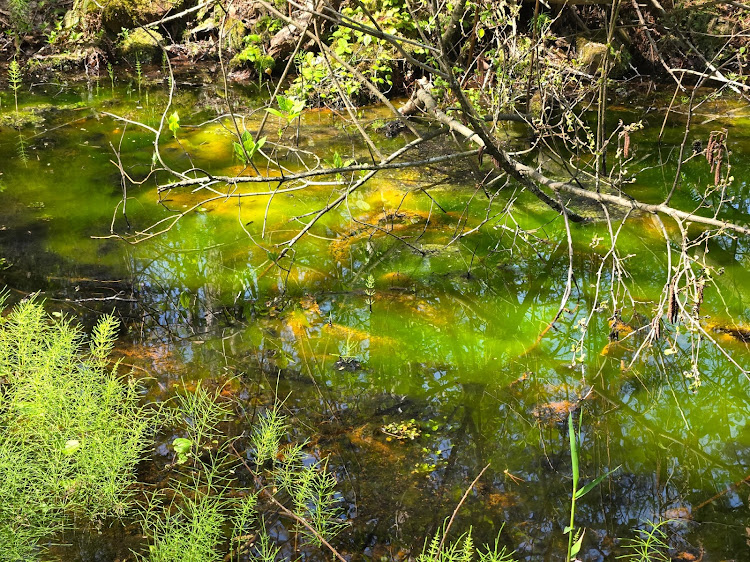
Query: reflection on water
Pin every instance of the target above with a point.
(449, 349)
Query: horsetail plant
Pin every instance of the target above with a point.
(72, 429)
(138, 74)
(15, 77)
(650, 545)
(370, 291)
(111, 73)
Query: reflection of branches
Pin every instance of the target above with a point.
(565, 141)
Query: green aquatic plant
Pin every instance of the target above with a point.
(289, 108)
(71, 429)
(650, 545)
(402, 430)
(183, 449)
(206, 507)
(462, 549)
(111, 74)
(199, 412)
(266, 437)
(15, 77)
(575, 536)
(369, 290)
(246, 151)
(338, 162)
(312, 489)
(348, 352)
(174, 123)
(21, 149)
(138, 73)
(309, 485)
(265, 549)
(190, 527)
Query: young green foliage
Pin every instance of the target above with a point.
(191, 530)
(311, 487)
(265, 439)
(289, 108)
(370, 291)
(174, 123)
(199, 413)
(246, 151)
(138, 73)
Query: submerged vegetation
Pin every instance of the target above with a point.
(425, 281)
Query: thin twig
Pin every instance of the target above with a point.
(460, 503)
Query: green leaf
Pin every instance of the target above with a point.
(285, 104)
(275, 112)
(298, 107)
(239, 152)
(577, 545)
(591, 485)
(71, 446)
(174, 123)
(249, 145)
(182, 446)
(573, 451)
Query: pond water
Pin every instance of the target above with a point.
(414, 385)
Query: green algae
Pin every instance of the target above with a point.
(452, 340)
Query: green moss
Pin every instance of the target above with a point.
(62, 62)
(119, 14)
(141, 44)
(23, 118)
(591, 54)
(234, 34)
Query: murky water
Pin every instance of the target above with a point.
(446, 349)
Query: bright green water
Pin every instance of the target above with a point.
(450, 342)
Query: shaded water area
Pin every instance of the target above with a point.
(411, 390)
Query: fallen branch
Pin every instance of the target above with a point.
(423, 99)
(335, 203)
(387, 164)
(532, 179)
(179, 15)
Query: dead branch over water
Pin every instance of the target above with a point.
(603, 185)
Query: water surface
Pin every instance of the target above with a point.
(448, 347)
